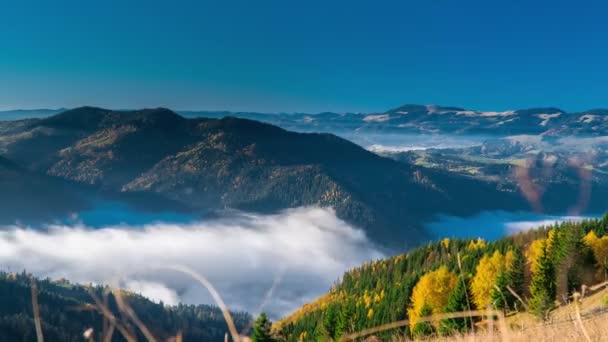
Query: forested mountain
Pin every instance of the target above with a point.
(243, 164)
(564, 173)
(414, 118)
(543, 266)
(68, 310)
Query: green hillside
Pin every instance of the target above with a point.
(543, 267)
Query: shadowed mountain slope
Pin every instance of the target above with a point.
(244, 164)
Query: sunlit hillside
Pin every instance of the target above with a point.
(528, 278)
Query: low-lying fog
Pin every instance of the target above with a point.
(274, 263)
(396, 142)
(295, 255)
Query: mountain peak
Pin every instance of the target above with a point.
(159, 117)
(539, 110)
(86, 118)
(90, 118)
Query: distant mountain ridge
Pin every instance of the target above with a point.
(414, 118)
(243, 164)
(20, 114)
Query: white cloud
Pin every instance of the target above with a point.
(377, 118)
(153, 290)
(306, 248)
(379, 148)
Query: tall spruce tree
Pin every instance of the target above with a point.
(457, 302)
(543, 287)
(516, 273)
(262, 329)
(512, 276)
(500, 292)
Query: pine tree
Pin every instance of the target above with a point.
(543, 287)
(423, 328)
(346, 322)
(516, 273)
(261, 329)
(511, 276)
(499, 292)
(457, 302)
(330, 319)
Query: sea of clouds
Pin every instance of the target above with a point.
(273, 263)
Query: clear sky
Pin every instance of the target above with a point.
(311, 56)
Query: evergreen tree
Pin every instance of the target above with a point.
(261, 329)
(500, 292)
(510, 276)
(457, 302)
(422, 329)
(516, 275)
(330, 319)
(543, 287)
(346, 322)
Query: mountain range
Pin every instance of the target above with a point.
(414, 118)
(231, 163)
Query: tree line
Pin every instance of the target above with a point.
(67, 310)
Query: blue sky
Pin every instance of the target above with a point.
(310, 56)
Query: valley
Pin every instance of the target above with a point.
(349, 193)
(205, 165)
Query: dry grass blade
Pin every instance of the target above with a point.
(598, 286)
(103, 309)
(518, 297)
(107, 336)
(108, 328)
(214, 294)
(36, 311)
(126, 308)
(579, 321)
(275, 283)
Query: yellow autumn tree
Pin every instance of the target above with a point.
(487, 272)
(533, 252)
(476, 244)
(433, 289)
(599, 246)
